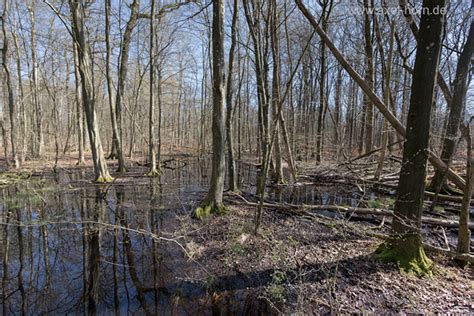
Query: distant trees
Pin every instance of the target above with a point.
(456, 110)
(287, 95)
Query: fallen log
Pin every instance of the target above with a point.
(443, 197)
(303, 209)
(464, 256)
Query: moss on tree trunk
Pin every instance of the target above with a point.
(105, 179)
(408, 253)
(208, 208)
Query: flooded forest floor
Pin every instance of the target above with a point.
(70, 246)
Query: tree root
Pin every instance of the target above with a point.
(153, 173)
(208, 208)
(104, 180)
(111, 156)
(445, 189)
(121, 170)
(408, 253)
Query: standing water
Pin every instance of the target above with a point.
(71, 247)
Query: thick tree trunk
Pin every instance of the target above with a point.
(213, 201)
(406, 247)
(88, 99)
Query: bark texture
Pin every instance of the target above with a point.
(213, 201)
(88, 98)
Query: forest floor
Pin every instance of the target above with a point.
(316, 263)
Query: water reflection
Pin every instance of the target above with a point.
(70, 247)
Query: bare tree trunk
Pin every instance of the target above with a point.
(385, 128)
(326, 11)
(122, 76)
(456, 110)
(275, 45)
(21, 95)
(80, 126)
(337, 113)
(369, 79)
(464, 239)
(406, 247)
(253, 21)
(88, 97)
(160, 109)
(229, 109)
(213, 201)
(113, 113)
(36, 98)
(151, 116)
(11, 101)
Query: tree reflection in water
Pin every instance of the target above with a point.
(74, 247)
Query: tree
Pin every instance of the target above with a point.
(151, 118)
(34, 83)
(253, 14)
(229, 108)
(456, 110)
(116, 149)
(213, 201)
(381, 106)
(326, 8)
(275, 97)
(405, 246)
(80, 113)
(464, 240)
(78, 33)
(122, 77)
(11, 100)
(369, 78)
